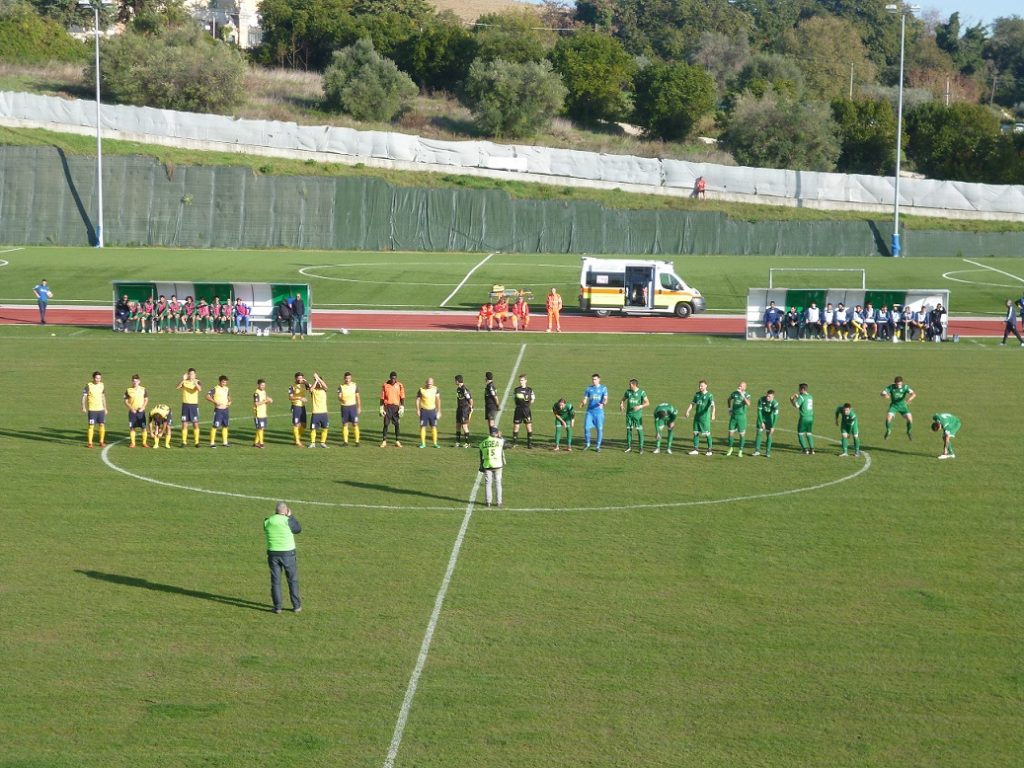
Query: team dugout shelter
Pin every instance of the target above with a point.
(263, 299)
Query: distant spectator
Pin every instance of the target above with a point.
(700, 188)
(772, 321)
(43, 296)
(284, 315)
(937, 323)
(1011, 324)
(122, 312)
(298, 317)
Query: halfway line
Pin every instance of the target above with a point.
(468, 275)
(421, 660)
(986, 266)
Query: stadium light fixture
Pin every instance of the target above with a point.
(903, 9)
(96, 5)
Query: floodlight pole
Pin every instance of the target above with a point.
(902, 9)
(95, 5)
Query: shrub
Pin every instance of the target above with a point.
(27, 38)
(779, 132)
(671, 98)
(597, 72)
(510, 99)
(367, 86)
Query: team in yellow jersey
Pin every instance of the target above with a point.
(94, 406)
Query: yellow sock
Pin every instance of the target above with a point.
(259, 436)
(213, 435)
(357, 432)
(131, 435)
(423, 435)
(145, 438)
(323, 436)
(295, 434)
(224, 435)
(184, 434)
(167, 440)
(103, 433)
(433, 434)
(90, 431)
(344, 434)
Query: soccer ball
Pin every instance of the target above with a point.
(344, 331)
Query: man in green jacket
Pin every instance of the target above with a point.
(280, 529)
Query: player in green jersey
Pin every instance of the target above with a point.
(767, 415)
(633, 402)
(803, 401)
(738, 402)
(665, 416)
(899, 396)
(565, 418)
(950, 425)
(846, 419)
(703, 407)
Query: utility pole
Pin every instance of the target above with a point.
(995, 77)
(851, 81)
(947, 91)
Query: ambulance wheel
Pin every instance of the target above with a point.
(602, 312)
(682, 309)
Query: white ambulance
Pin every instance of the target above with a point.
(636, 287)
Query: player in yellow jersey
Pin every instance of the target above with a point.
(94, 406)
(320, 418)
(220, 396)
(297, 397)
(428, 408)
(136, 400)
(351, 407)
(260, 401)
(190, 387)
(160, 425)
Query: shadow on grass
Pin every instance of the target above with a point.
(64, 436)
(393, 489)
(133, 581)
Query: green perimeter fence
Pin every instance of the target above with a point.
(48, 197)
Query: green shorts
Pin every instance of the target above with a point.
(762, 424)
(805, 424)
(634, 419)
(901, 408)
(737, 423)
(702, 426)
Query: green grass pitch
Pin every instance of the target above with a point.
(623, 610)
(349, 280)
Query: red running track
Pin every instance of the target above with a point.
(329, 320)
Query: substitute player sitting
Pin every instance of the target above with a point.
(521, 315)
(486, 315)
(160, 425)
(501, 312)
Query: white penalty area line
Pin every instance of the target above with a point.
(994, 269)
(428, 637)
(468, 275)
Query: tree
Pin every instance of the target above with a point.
(1006, 51)
(950, 142)
(437, 58)
(771, 20)
(770, 72)
(28, 38)
(867, 135)
(825, 49)
(177, 68)
(513, 36)
(780, 132)
(366, 85)
(303, 34)
(671, 98)
(513, 99)
(966, 50)
(721, 56)
(597, 72)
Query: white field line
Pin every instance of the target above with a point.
(1001, 272)
(468, 275)
(11, 250)
(421, 660)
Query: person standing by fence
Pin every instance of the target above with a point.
(1009, 327)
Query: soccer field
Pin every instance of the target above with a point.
(621, 610)
(348, 280)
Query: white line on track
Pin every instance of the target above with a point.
(421, 660)
(483, 261)
(1001, 272)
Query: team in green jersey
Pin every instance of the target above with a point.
(738, 402)
(565, 417)
(665, 416)
(899, 396)
(767, 416)
(703, 408)
(846, 419)
(803, 401)
(950, 425)
(633, 402)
